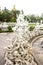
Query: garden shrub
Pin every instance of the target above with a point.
(41, 28)
(10, 29)
(0, 30)
(31, 28)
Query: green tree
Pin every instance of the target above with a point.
(14, 15)
(6, 15)
(0, 15)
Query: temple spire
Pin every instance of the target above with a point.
(14, 8)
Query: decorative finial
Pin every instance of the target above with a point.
(14, 8)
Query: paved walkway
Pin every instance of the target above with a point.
(4, 42)
(38, 51)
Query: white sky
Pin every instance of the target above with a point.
(28, 6)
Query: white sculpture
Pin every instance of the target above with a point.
(21, 52)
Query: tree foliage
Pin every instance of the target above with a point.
(8, 16)
(33, 18)
(11, 16)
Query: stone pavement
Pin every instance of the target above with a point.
(5, 40)
(38, 51)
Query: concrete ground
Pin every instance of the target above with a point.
(38, 51)
(5, 40)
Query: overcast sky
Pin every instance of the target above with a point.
(28, 6)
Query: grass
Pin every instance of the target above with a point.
(32, 25)
(2, 31)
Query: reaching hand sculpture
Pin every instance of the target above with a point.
(20, 53)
